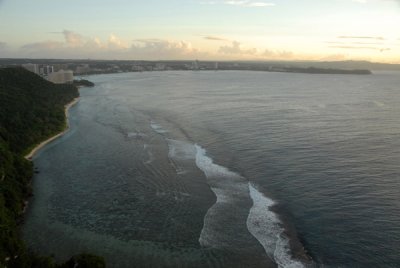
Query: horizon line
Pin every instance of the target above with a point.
(191, 60)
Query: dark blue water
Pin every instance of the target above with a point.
(225, 169)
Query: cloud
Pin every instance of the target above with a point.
(76, 40)
(164, 49)
(381, 49)
(45, 45)
(3, 45)
(241, 3)
(248, 3)
(334, 57)
(45, 49)
(355, 43)
(375, 1)
(236, 49)
(361, 37)
(75, 45)
(378, 43)
(95, 43)
(271, 54)
(215, 38)
(73, 39)
(116, 43)
(259, 4)
(208, 3)
(158, 44)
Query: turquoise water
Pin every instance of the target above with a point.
(225, 169)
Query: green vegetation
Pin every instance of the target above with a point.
(31, 110)
(84, 261)
(83, 83)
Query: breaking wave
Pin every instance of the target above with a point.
(157, 128)
(232, 190)
(261, 222)
(265, 226)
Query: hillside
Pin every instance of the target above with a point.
(31, 110)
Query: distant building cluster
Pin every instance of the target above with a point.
(48, 72)
(60, 70)
(141, 66)
(83, 69)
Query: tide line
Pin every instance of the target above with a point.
(30, 155)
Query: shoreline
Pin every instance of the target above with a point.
(44, 143)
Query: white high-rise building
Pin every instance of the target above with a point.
(47, 70)
(61, 77)
(34, 68)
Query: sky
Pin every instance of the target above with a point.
(201, 29)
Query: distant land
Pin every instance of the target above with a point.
(83, 83)
(88, 66)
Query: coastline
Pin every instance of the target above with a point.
(44, 143)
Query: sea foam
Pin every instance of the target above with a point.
(157, 128)
(231, 192)
(231, 189)
(136, 135)
(180, 150)
(207, 165)
(262, 223)
(265, 226)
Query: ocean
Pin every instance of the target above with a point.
(224, 169)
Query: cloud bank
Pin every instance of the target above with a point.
(164, 49)
(362, 37)
(351, 42)
(75, 45)
(215, 38)
(236, 49)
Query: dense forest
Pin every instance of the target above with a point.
(31, 110)
(83, 83)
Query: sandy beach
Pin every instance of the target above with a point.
(42, 144)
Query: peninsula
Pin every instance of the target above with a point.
(32, 110)
(87, 67)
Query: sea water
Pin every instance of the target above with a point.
(225, 169)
